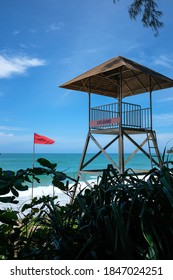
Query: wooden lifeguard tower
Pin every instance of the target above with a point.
(120, 78)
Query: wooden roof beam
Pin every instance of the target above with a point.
(139, 80)
(112, 81)
(128, 87)
(156, 83)
(84, 85)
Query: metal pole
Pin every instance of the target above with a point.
(89, 105)
(33, 161)
(151, 109)
(121, 140)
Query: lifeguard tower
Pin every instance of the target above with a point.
(120, 78)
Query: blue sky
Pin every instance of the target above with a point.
(45, 43)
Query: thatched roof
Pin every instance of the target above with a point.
(104, 79)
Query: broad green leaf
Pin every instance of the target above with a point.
(39, 171)
(21, 187)
(8, 199)
(4, 190)
(60, 176)
(59, 184)
(46, 163)
(14, 192)
(4, 184)
(9, 217)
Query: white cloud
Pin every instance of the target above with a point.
(93, 50)
(6, 133)
(163, 120)
(10, 66)
(164, 61)
(11, 128)
(165, 140)
(166, 99)
(33, 30)
(14, 141)
(167, 137)
(3, 134)
(16, 32)
(55, 27)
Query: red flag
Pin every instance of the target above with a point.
(39, 139)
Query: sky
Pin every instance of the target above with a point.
(45, 43)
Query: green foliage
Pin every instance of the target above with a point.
(20, 233)
(13, 182)
(129, 218)
(120, 217)
(150, 16)
(46, 163)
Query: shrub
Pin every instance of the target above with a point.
(120, 217)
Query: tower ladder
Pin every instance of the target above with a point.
(154, 153)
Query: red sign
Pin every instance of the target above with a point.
(105, 122)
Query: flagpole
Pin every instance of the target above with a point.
(33, 160)
(39, 139)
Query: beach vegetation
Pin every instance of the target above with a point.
(121, 216)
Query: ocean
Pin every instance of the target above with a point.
(66, 162)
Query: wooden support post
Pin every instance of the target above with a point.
(151, 109)
(89, 110)
(121, 140)
(83, 155)
(86, 143)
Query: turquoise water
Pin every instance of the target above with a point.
(67, 163)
